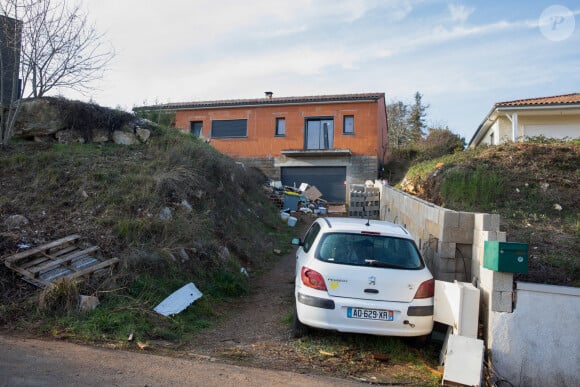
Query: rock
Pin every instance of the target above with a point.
(143, 134)
(38, 117)
(88, 303)
(124, 138)
(165, 214)
(69, 137)
(15, 221)
(100, 136)
(185, 204)
(225, 254)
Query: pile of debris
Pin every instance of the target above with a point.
(306, 199)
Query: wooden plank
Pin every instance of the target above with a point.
(91, 269)
(27, 274)
(63, 251)
(35, 262)
(57, 262)
(38, 249)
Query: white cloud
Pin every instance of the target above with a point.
(459, 12)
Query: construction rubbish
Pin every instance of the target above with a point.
(306, 199)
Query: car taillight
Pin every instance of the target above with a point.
(312, 278)
(426, 289)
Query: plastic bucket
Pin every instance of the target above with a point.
(292, 221)
(284, 216)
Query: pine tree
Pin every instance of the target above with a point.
(416, 120)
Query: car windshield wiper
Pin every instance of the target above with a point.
(374, 262)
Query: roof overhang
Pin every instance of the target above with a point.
(496, 111)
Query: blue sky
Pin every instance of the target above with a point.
(463, 56)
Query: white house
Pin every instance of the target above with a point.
(552, 117)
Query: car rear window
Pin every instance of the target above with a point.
(369, 250)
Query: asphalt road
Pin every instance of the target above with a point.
(33, 362)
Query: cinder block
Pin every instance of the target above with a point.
(457, 235)
(446, 265)
(501, 236)
(433, 228)
(446, 249)
(496, 281)
(501, 301)
(466, 220)
(450, 219)
(487, 222)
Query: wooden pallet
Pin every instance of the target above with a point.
(62, 258)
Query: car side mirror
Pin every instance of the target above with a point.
(296, 242)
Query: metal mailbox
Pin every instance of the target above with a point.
(506, 256)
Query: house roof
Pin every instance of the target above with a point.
(337, 98)
(564, 101)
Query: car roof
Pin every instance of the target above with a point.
(360, 224)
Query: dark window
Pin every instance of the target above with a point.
(320, 133)
(310, 237)
(196, 128)
(229, 128)
(280, 126)
(369, 250)
(348, 125)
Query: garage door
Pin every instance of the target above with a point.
(328, 180)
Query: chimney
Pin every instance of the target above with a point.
(269, 94)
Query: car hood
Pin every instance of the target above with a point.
(373, 283)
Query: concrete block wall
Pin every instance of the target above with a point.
(441, 234)
(496, 287)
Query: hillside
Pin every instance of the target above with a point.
(173, 210)
(533, 186)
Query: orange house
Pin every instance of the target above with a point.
(328, 141)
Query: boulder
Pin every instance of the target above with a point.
(124, 138)
(143, 134)
(38, 117)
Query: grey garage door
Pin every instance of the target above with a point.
(328, 180)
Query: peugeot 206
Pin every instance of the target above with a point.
(361, 276)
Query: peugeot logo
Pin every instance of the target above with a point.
(372, 280)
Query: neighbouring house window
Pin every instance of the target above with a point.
(319, 133)
(491, 140)
(196, 128)
(280, 126)
(348, 125)
(229, 128)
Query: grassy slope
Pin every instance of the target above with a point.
(534, 187)
(112, 196)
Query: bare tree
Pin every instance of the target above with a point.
(60, 49)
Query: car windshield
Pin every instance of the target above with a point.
(369, 250)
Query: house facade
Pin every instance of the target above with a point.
(552, 117)
(328, 141)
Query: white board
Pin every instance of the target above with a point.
(178, 300)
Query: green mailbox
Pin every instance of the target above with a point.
(506, 256)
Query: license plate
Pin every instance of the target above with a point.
(369, 314)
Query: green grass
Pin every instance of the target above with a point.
(467, 188)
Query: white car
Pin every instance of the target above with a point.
(361, 276)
